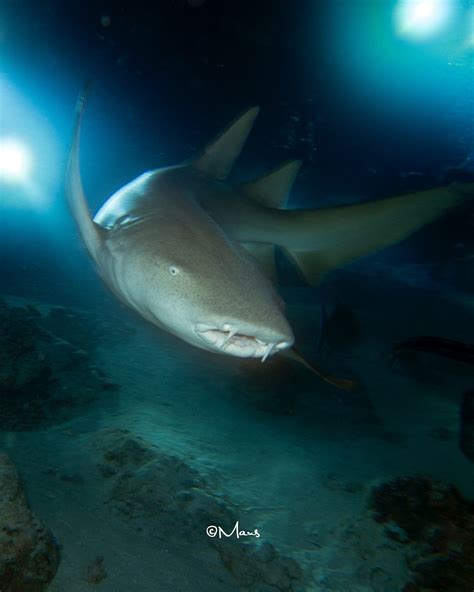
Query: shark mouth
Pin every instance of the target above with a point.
(230, 342)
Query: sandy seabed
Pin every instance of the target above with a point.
(298, 467)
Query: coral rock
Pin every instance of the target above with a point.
(44, 380)
(29, 554)
(171, 502)
(438, 526)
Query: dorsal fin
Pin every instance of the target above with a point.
(273, 189)
(220, 155)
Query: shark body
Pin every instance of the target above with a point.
(195, 256)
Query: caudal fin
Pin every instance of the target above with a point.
(91, 233)
(319, 240)
(324, 239)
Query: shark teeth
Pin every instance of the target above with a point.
(268, 351)
(229, 341)
(228, 338)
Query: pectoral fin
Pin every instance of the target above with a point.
(265, 256)
(311, 264)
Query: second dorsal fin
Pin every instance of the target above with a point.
(273, 189)
(220, 155)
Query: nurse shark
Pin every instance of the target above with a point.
(195, 256)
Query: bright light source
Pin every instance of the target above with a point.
(419, 19)
(15, 161)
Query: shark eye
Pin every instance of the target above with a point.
(173, 270)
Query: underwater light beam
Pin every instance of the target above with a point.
(419, 19)
(15, 161)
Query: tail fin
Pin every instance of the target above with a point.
(91, 233)
(321, 240)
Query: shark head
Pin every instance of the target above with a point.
(209, 292)
(170, 260)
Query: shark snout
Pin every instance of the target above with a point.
(245, 340)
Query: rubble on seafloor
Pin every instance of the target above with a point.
(44, 379)
(86, 330)
(171, 503)
(435, 524)
(29, 554)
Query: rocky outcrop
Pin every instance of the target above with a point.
(44, 379)
(29, 555)
(171, 503)
(436, 524)
(85, 330)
